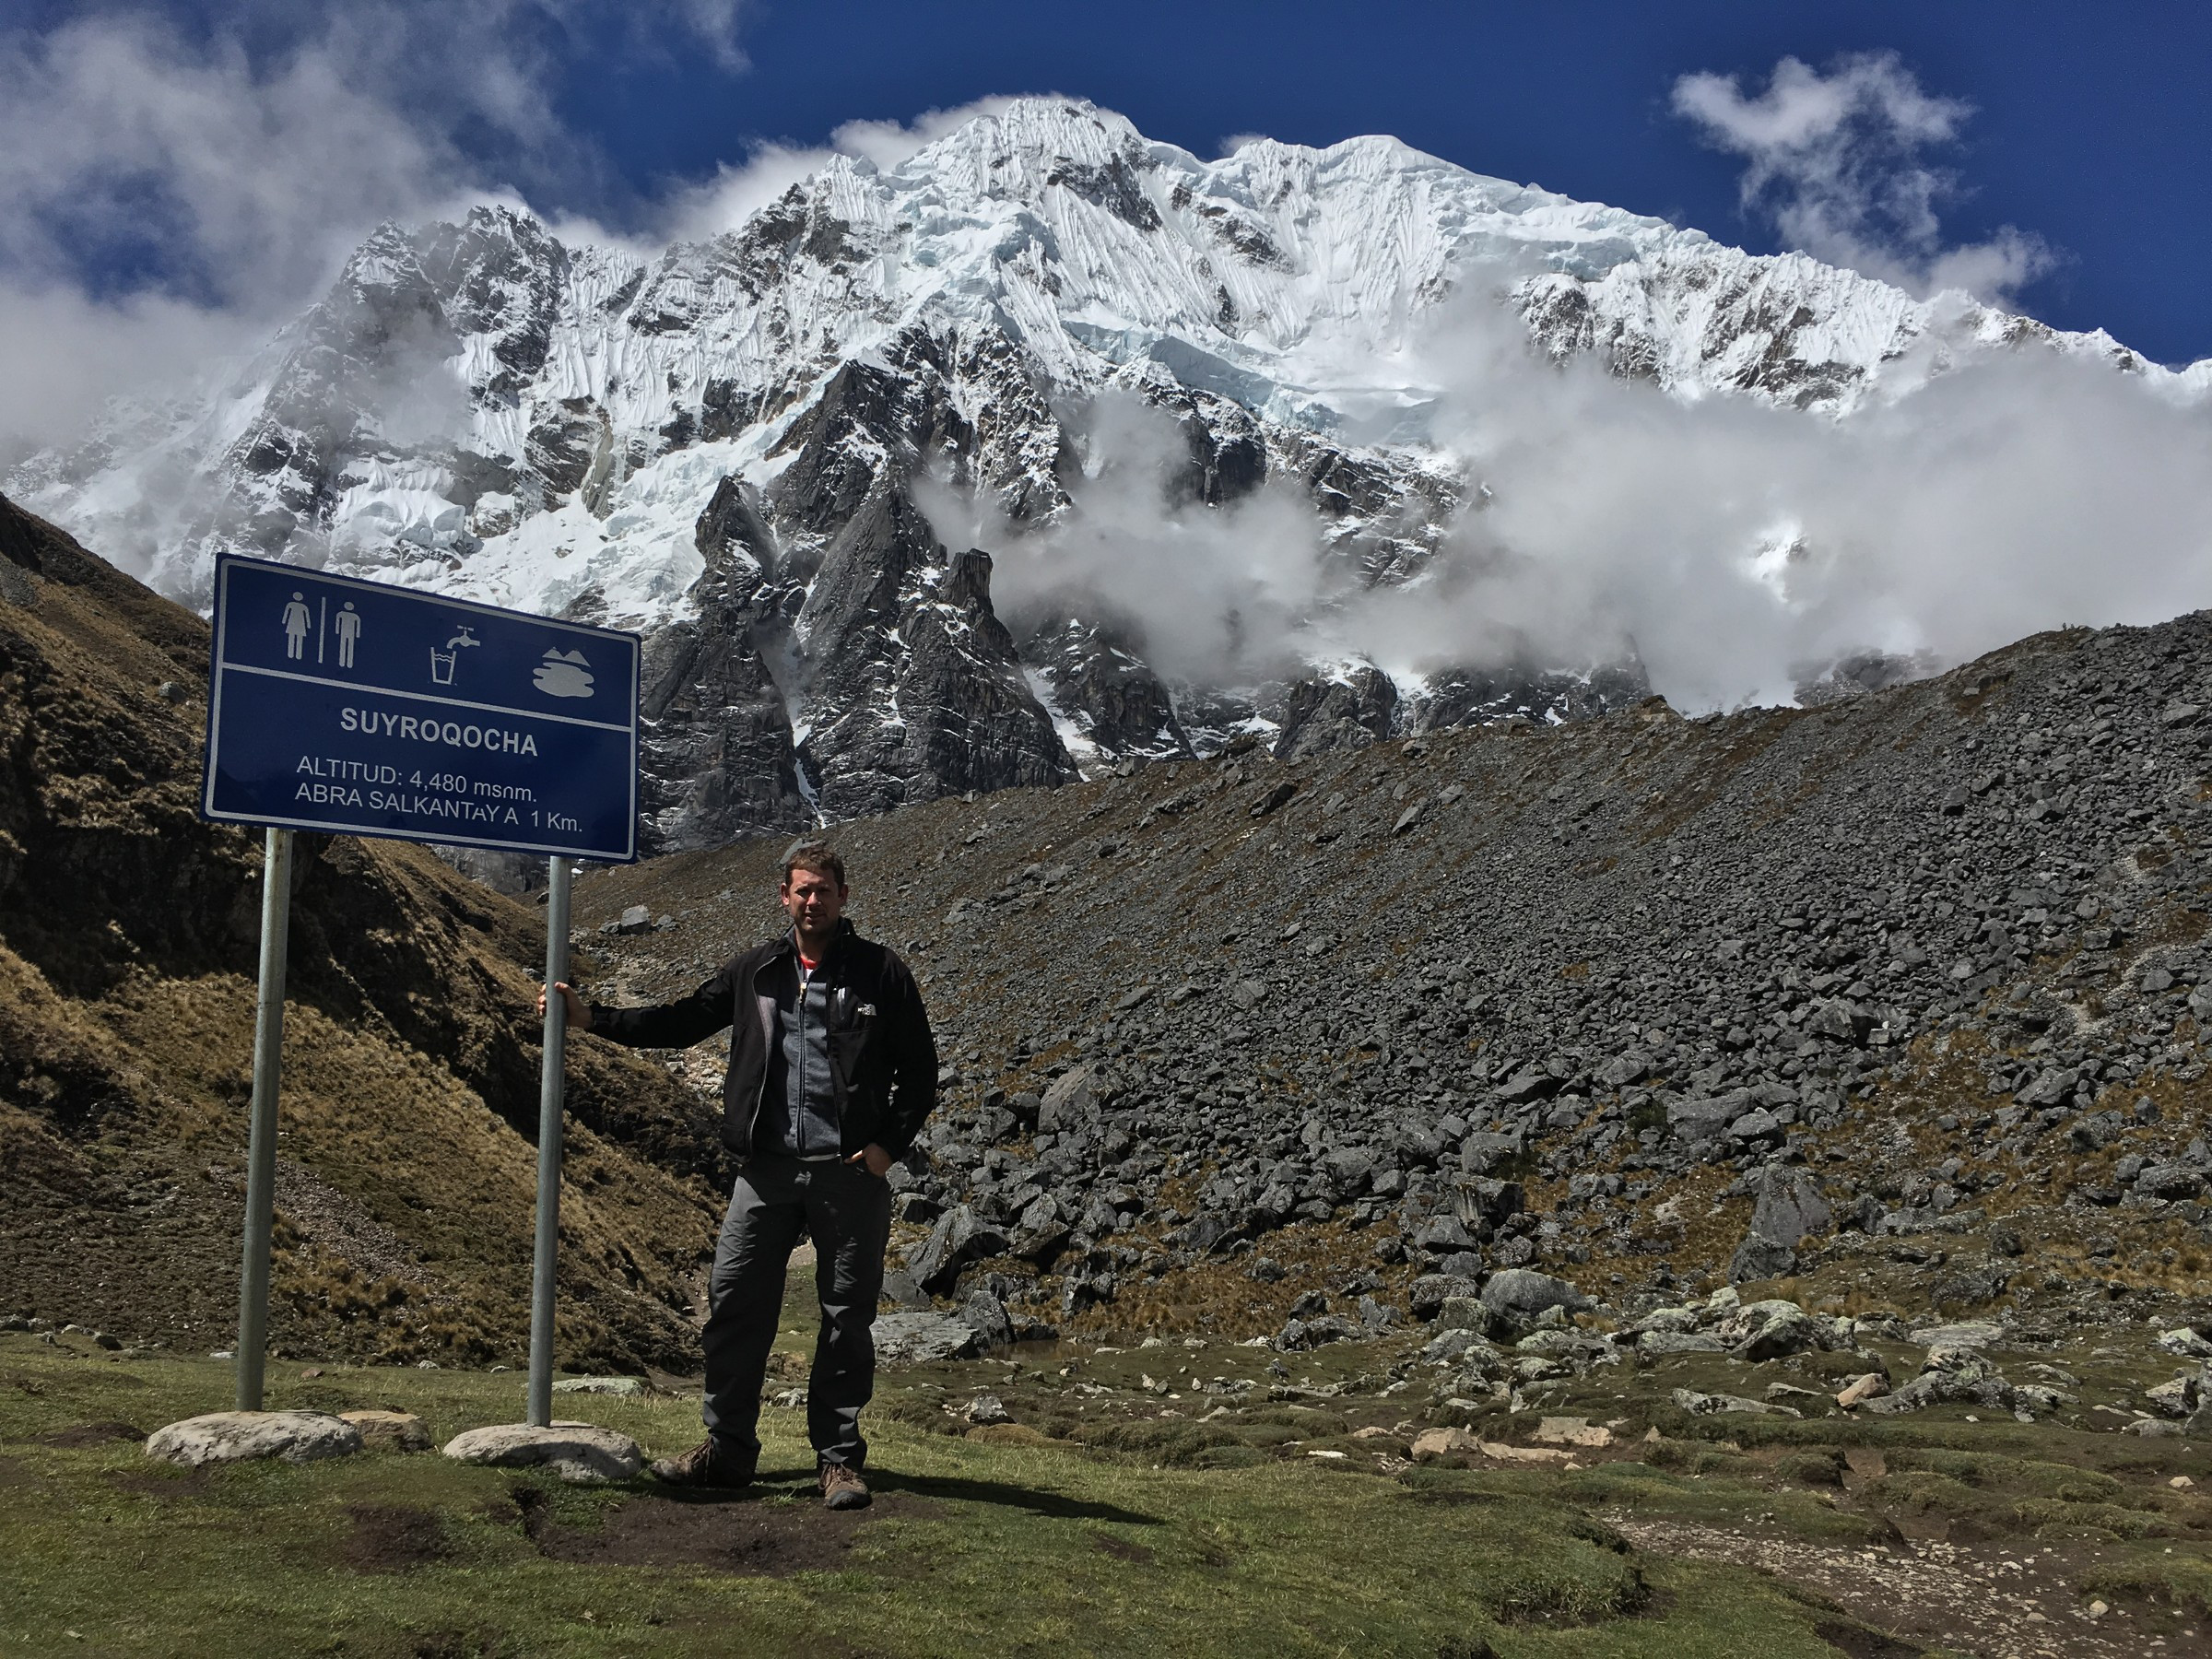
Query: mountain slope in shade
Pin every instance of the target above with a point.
(406, 1173)
(730, 444)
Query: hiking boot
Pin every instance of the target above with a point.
(712, 1463)
(842, 1488)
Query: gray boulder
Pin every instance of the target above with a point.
(575, 1452)
(1624, 1069)
(1444, 1234)
(921, 1338)
(1708, 1119)
(1481, 1152)
(1967, 1334)
(1039, 1233)
(1464, 1314)
(1760, 1258)
(1662, 1319)
(1075, 1097)
(1432, 1290)
(959, 1238)
(1839, 1020)
(1530, 1084)
(1523, 1292)
(1787, 1204)
(985, 1315)
(1480, 1200)
(2170, 1182)
(900, 1289)
(1298, 1334)
(240, 1436)
(1713, 1404)
(1949, 1375)
(1772, 1330)
(1756, 1124)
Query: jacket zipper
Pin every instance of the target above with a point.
(752, 1126)
(752, 1123)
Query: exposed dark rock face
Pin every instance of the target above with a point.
(1323, 715)
(948, 709)
(719, 760)
(1471, 696)
(907, 684)
(1106, 690)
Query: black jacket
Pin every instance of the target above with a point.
(886, 1059)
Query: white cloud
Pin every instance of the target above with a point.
(1836, 161)
(167, 196)
(889, 143)
(1216, 595)
(1736, 548)
(770, 168)
(1741, 546)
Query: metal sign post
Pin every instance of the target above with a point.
(261, 1145)
(357, 707)
(540, 1413)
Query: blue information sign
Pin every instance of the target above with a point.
(348, 706)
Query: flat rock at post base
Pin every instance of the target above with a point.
(575, 1452)
(240, 1436)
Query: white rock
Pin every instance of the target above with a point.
(1872, 1386)
(987, 1409)
(1972, 1334)
(1438, 1442)
(236, 1436)
(575, 1452)
(1572, 1431)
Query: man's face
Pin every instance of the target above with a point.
(814, 902)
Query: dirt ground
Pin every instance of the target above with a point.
(1992, 1603)
(771, 1530)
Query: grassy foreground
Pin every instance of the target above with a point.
(975, 1546)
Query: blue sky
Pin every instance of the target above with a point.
(175, 179)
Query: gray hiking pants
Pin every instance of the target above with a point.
(847, 1212)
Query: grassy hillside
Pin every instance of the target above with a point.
(407, 1172)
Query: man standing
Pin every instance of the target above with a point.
(833, 1070)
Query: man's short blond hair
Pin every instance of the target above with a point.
(821, 860)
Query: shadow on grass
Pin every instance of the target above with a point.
(783, 1485)
(1051, 1504)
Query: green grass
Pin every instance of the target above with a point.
(981, 1549)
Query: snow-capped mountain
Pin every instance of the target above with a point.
(730, 445)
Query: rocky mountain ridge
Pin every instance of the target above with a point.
(732, 444)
